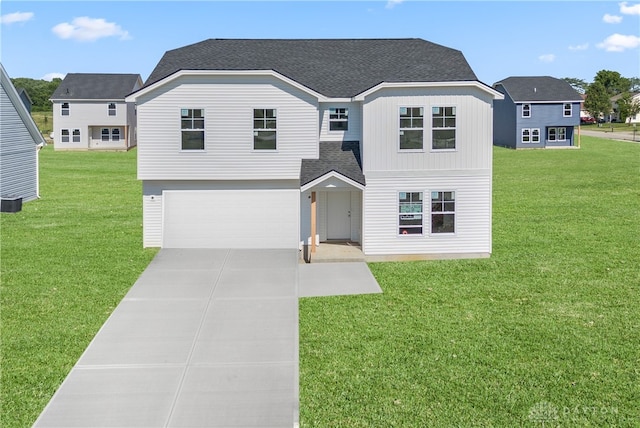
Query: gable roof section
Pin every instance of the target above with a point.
(336, 68)
(335, 156)
(95, 86)
(21, 109)
(539, 89)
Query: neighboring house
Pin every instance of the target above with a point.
(26, 99)
(20, 141)
(615, 115)
(90, 112)
(281, 143)
(536, 112)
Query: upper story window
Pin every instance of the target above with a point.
(443, 128)
(410, 213)
(112, 109)
(65, 109)
(443, 212)
(566, 110)
(192, 127)
(411, 128)
(526, 110)
(264, 129)
(338, 119)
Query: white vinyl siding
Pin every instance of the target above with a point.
(228, 102)
(474, 130)
(472, 215)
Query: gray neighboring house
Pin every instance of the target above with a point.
(26, 99)
(286, 143)
(90, 112)
(536, 112)
(20, 141)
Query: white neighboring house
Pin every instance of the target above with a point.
(20, 141)
(90, 112)
(635, 97)
(386, 142)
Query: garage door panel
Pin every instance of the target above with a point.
(231, 219)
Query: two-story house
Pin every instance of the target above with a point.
(90, 112)
(536, 112)
(286, 143)
(20, 141)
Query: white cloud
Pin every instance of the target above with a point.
(634, 9)
(611, 19)
(582, 47)
(619, 43)
(87, 29)
(547, 58)
(11, 18)
(392, 3)
(50, 76)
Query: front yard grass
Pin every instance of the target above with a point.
(544, 333)
(66, 262)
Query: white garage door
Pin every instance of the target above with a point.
(231, 219)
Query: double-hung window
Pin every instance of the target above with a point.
(526, 110)
(110, 134)
(192, 126)
(64, 109)
(112, 109)
(566, 110)
(76, 136)
(410, 213)
(338, 119)
(411, 128)
(530, 135)
(443, 212)
(557, 134)
(64, 136)
(264, 129)
(443, 128)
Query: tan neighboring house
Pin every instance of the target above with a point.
(90, 112)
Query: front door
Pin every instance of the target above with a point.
(339, 215)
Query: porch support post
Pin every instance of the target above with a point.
(313, 222)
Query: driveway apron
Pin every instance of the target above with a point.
(204, 338)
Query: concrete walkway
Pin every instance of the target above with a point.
(204, 338)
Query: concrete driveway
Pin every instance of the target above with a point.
(204, 338)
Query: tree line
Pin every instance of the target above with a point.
(39, 91)
(606, 85)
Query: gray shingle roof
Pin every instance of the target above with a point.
(332, 67)
(341, 157)
(539, 88)
(90, 86)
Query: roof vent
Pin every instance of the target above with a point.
(535, 89)
(67, 91)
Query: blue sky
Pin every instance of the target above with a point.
(499, 39)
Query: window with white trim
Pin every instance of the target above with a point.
(526, 110)
(443, 128)
(76, 136)
(110, 134)
(443, 212)
(192, 128)
(411, 128)
(64, 136)
(557, 134)
(410, 213)
(115, 134)
(530, 135)
(566, 110)
(64, 109)
(338, 119)
(112, 109)
(265, 129)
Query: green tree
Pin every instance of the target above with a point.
(39, 91)
(577, 84)
(635, 84)
(628, 107)
(613, 82)
(597, 101)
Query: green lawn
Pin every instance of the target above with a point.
(547, 327)
(545, 331)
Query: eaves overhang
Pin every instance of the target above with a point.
(401, 85)
(328, 175)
